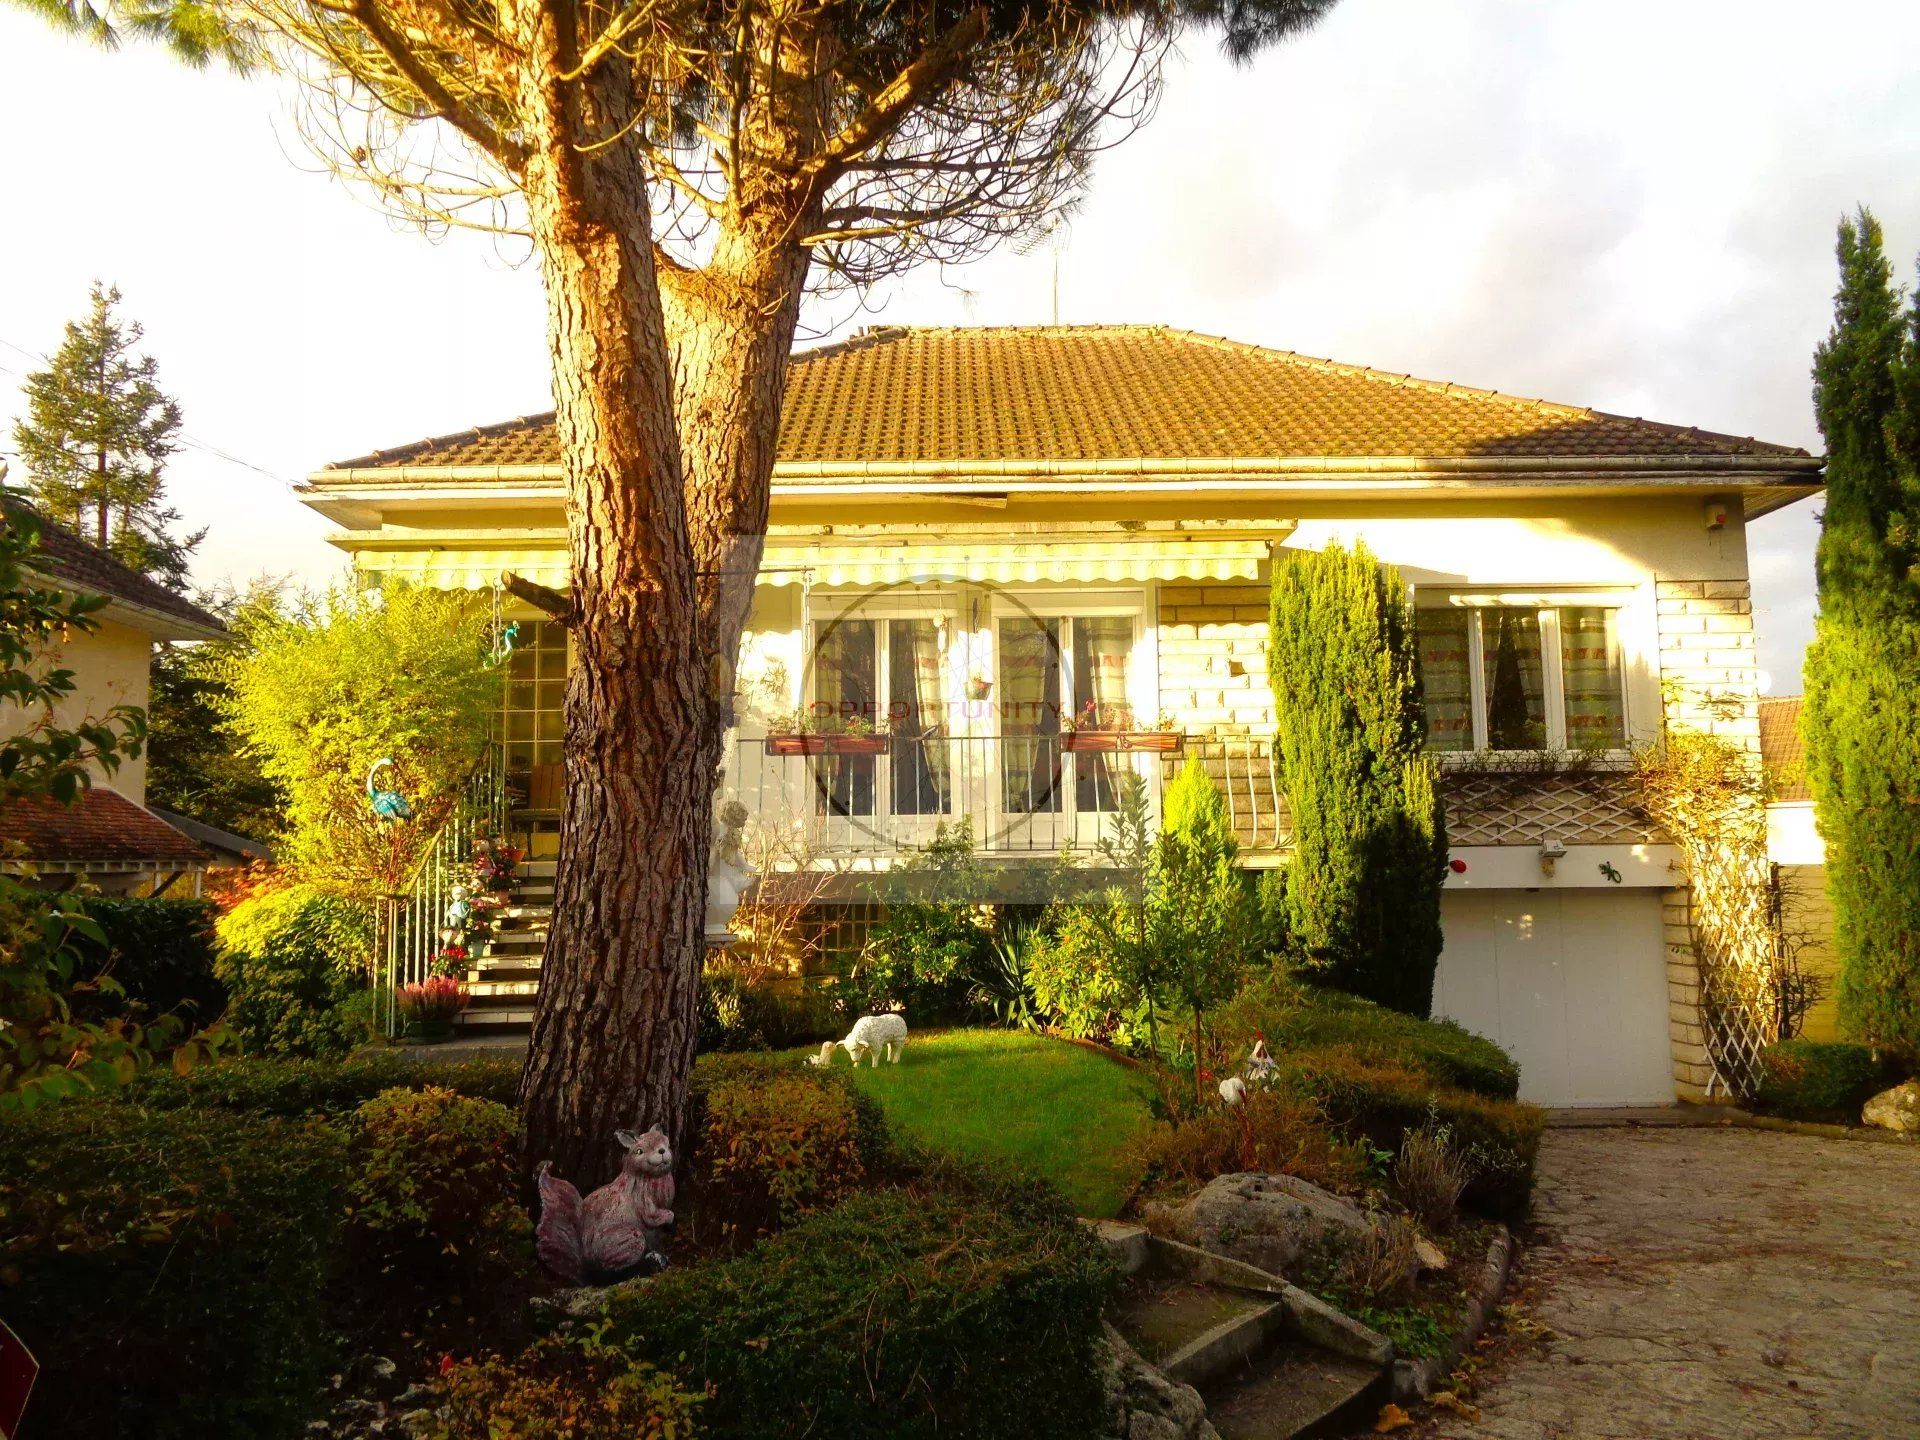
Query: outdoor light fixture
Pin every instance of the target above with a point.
(1550, 850)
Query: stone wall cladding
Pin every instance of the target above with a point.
(1710, 681)
(1709, 673)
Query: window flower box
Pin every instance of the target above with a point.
(1123, 742)
(805, 744)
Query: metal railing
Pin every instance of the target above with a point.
(411, 922)
(1022, 794)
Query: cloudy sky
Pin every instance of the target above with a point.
(1627, 205)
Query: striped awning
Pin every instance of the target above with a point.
(982, 562)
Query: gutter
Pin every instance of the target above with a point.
(961, 474)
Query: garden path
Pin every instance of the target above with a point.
(1715, 1283)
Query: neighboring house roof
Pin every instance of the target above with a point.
(83, 566)
(102, 827)
(905, 396)
(1782, 751)
(222, 842)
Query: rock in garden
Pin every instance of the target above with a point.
(1269, 1221)
(1897, 1109)
(1143, 1404)
(1429, 1255)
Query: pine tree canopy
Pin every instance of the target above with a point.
(96, 439)
(1862, 714)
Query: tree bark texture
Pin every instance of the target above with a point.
(613, 1033)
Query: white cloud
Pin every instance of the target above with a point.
(1629, 205)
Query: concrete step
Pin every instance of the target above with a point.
(1290, 1390)
(495, 1020)
(481, 992)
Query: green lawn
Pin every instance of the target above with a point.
(1060, 1110)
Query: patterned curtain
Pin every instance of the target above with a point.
(1030, 715)
(1446, 677)
(1516, 690)
(922, 766)
(1590, 669)
(1102, 646)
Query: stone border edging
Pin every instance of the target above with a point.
(1415, 1379)
(1872, 1134)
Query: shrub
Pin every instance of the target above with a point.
(1429, 1176)
(775, 1150)
(1370, 839)
(430, 1004)
(742, 1008)
(1077, 987)
(160, 951)
(1278, 1132)
(1381, 1101)
(926, 954)
(897, 1314)
(434, 1186)
(1380, 1264)
(555, 1391)
(289, 959)
(168, 1269)
(1293, 1016)
(1818, 1080)
(297, 1088)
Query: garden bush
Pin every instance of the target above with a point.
(434, 1190)
(556, 1391)
(1293, 1016)
(161, 952)
(1381, 1101)
(296, 1088)
(167, 1269)
(1077, 987)
(1277, 1132)
(1818, 1080)
(291, 960)
(776, 1148)
(745, 1009)
(896, 1314)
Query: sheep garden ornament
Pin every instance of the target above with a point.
(871, 1034)
(614, 1233)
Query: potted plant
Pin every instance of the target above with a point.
(795, 732)
(1110, 730)
(858, 737)
(429, 1007)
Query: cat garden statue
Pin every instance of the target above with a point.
(871, 1034)
(614, 1233)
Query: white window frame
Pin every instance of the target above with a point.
(1545, 605)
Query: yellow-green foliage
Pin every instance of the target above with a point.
(290, 959)
(434, 1183)
(776, 1148)
(322, 691)
(554, 1391)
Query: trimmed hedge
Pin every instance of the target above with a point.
(298, 1088)
(160, 951)
(167, 1269)
(1818, 1080)
(743, 1010)
(291, 961)
(1380, 1101)
(897, 1314)
(1293, 1016)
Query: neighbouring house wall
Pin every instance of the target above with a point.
(111, 666)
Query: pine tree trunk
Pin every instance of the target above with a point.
(613, 1033)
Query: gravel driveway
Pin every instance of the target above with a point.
(1717, 1283)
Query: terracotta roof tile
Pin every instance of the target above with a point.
(86, 567)
(1781, 749)
(102, 826)
(1123, 392)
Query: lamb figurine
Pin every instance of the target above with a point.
(613, 1234)
(871, 1034)
(1258, 1071)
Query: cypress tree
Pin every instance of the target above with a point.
(1370, 845)
(1862, 715)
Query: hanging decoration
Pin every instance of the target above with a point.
(387, 804)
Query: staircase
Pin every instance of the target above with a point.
(505, 971)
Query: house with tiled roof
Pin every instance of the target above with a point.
(1037, 559)
(108, 836)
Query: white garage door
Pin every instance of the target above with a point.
(1572, 982)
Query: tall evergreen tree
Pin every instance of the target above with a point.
(1369, 835)
(96, 440)
(1862, 714)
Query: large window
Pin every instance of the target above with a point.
(1053, 668)
(536, 692)
(1521, 677)
(886, 676)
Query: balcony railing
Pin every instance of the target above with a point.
(1022, 794)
